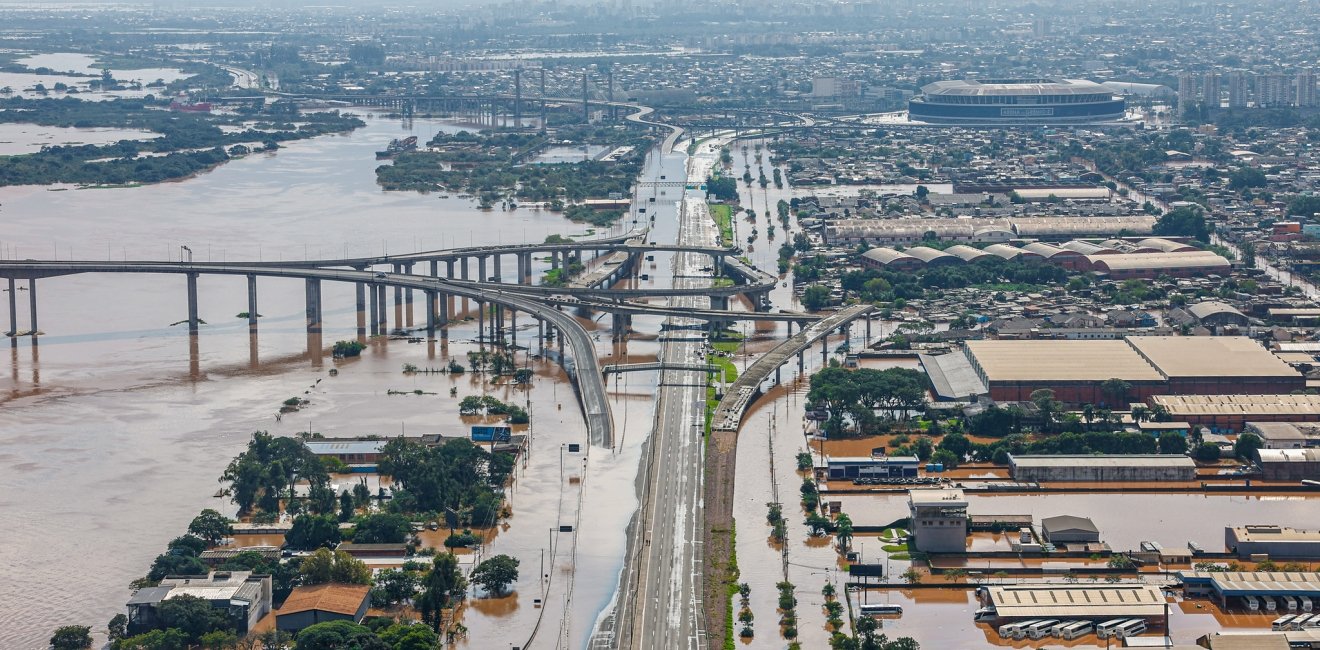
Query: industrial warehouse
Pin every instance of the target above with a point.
(1150, 365)
(1230, 412)
(904, 232)
(1074, 601)
(1102, 468)
(1223, 585)
(1154, 257)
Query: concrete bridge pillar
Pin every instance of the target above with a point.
(463, 268)
(824, 350)
(481, 269)
(449, 269)
(554, 260)
(398, 301)
(498, 276)
(430, 314)
(801, 364)
(360, 293)
(382, 305)
(481, 321)
(513, 327)
(192, 304)
(868, 332)
(373, 316)
(540, 334)
(13, 308)
(408, 299)
(252, 303)
(313, 289)
(435, 268)
(719, 302)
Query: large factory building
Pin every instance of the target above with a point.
(1151, 365)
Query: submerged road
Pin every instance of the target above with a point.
(583, 368)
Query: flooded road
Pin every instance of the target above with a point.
(115, 440)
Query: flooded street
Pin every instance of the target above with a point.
(115, 440)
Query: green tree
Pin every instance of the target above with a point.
(496, 574)
(117, 628)
(1172, 443)
(339, 635)
(382, 528)
(1246, 446)
(843, 531)
(1186, 221)
(211, 526)
(313, 531)
(957, 444)
(1206, 452)
(394, 586)
(402, 636)
(347, 507)
(324, 566)
(442, 588)
(1116, 391)
(816, 297)
(946, 458)
(192, 616)
(170, 564)
(71, 637)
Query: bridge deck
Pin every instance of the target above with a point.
(728, 415)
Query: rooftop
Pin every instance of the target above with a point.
(1270, 581)
(1209, 356)
(1184, 405)
(1274, 534)
(1059, 360)
(973, 87)
(337, 598)
(1064, 601)
(1288, 455)
(1068, 522)
(1107, 460)
(937, 497)
(334, 447)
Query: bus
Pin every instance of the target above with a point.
(1285, 622)
(1012, 630)
(1270, 605)
(1305, 601)
(1133, 627)
(1106, 629)
(1308, 621)
(1076, 630)
(1252, 604)
(879, 609)
(1290, 603)
(1041, 629)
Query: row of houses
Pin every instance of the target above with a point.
(245, 598)
(1147, 258)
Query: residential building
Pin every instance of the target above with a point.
(245, 597)
(309, 605)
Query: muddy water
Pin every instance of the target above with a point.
(115, 438)
(29, 138)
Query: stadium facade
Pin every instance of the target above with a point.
(1016, 102)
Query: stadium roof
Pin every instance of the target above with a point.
(972, 87)
(1209, 356)
(1060, 360)
(1077, 601)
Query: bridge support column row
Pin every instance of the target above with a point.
(481, 321)
(360, 294)
(192, 305)
(252, 303)
(498, 276)
(382, 305)
(313, 290)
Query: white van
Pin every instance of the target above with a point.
(1076, 630)
(1133, 627)
(1042, 629)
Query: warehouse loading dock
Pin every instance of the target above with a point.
(1081, 602)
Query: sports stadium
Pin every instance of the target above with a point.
(1015, 101)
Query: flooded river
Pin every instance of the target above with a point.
(113, 440)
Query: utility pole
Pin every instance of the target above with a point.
(586, 108)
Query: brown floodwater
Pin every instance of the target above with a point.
(115, 438)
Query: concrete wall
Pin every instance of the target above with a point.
(1100, 472)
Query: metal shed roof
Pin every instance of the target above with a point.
(1077, 601)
